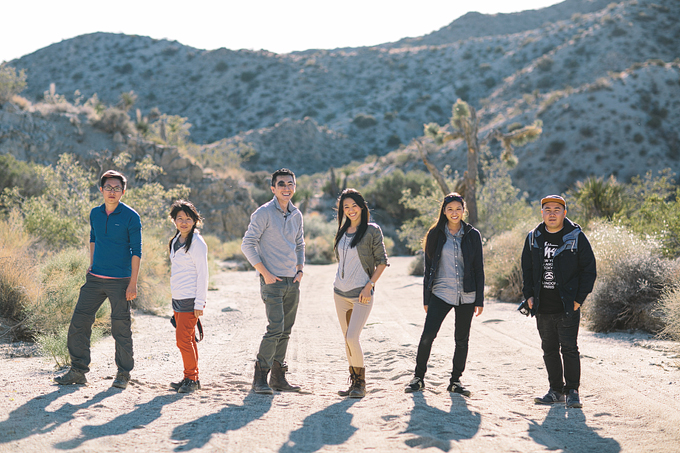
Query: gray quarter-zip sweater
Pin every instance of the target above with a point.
(275, 238)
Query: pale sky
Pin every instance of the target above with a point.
(279, 26)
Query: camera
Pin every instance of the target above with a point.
(524, 308)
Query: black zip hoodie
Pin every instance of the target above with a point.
(575, 268)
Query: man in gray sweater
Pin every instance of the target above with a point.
(274, 244)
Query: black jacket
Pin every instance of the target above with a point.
(473, 263)
(574, 265)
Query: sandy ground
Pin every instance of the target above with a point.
(629, 386)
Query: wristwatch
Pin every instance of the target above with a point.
(372, 283)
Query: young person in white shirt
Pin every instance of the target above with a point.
(189, 287)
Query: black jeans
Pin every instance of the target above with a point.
(436, 312)
(92, 295)
(559, 333)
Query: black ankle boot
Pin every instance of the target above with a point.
(278, 381)
(260, 380)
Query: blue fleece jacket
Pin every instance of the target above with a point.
(117, 237)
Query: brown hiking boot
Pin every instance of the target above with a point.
(351, 384)
(359, 387)
(278, 381)
(71, 377)
(260, 381)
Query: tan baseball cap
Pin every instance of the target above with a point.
(553, 199)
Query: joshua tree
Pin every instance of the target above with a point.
(466, 126)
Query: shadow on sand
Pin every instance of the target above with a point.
(142, 415)
(32, 417)
(561, 424)
(331, 426)
(434, 427)
(231, 418)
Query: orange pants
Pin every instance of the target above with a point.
(186, 342)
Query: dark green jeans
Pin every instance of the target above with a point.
(92, 295)
(281, 303)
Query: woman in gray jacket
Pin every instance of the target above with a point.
(360, 251)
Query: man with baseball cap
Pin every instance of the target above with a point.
(558, 270)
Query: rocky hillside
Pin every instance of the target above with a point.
(313, 109)
(42, 132)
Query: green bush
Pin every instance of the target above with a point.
(500, 204)
(114, 120)
(28, 178)
(11, 82)
(387, 191)
(319, 238)
(363, 121)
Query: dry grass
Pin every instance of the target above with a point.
(19, 287)
(632, 276)
(502, 263)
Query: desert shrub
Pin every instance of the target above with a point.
(61, 276)
(153, 284)
(152, 202)
(500, 204)
(18, 288)
(669, 308)
(502, 262)
(596, 197)
(319, 237)
(26, 177)
(652, 209)
(248, 76)
(55, 345)
(545, 63)
(363, 121)
(113, 119)
(632, 276)
(60, 215)
(417, 266)
(387, 191)
(426, 204)
(11, 82)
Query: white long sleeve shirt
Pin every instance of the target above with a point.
(189, 271)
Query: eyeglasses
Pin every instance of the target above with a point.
(284, 184)
(114, 189)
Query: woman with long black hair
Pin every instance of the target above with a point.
(361, 255)
(454, 278)
(189, 287)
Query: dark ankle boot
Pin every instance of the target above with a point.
(260, 380)
(359, 387)
(278, 381)
(351, 384)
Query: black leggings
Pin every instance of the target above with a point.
(436, 312)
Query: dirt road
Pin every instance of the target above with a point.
(629, 386)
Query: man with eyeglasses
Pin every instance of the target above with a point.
(115, 255)
(274, 244)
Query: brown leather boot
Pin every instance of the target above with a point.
(278, 381)
(359, 390)
(260, 381)
(351, 384)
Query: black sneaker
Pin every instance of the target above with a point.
(457, 387)
(121, 381)
(573, 399)
(189, 386)
(71, 377)
(416, 385)
(551, 397)
(178, 385)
